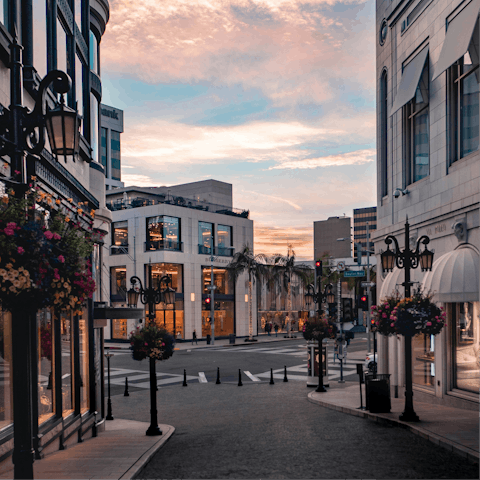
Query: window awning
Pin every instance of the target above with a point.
(454, 276)
(409, 82)
(458, 37)
(393, 281)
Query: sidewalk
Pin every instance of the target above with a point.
(453, 428)
(120, 452)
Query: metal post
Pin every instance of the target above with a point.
(109, 400)
(369, 296)
(321, 387)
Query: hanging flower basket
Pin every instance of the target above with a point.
(319, 329)
(43, 252)
(152, 342)
(382, 315)
(409, 317)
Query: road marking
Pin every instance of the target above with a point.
(202, 378)
(252, 377)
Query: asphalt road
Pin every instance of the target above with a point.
(271, 431)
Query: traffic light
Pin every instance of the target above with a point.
(332, 310)
(207, 302)
(318, 268)
(373, 326)
(364, 302)
(347, 309)
(358, 253)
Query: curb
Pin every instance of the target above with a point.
(472, 456)
(140, 464)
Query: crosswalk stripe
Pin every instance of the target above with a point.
(202, 378)
(252, 377)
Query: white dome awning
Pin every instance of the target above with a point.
(454, 276)
(393, 281)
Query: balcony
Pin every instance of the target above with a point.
(118, 249)
(163, 245)
(218, 251)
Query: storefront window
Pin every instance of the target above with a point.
(205, 237)
(118, 288)
(40, 37)
(423, 361)
(224, 234)
(6, 412)
(224, 319)
(163, 233)
(119, 237)
(120, 329)
(466, 346)
(94, 124)
(224, 285)
(67, 362)
(45, 362)
(171, 318)
(84, 376)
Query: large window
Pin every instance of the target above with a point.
(224, 234)
(4, 13)
(61, 47)
(6, 405)
(417, 131)
(79, 87)
(45, 362)
(83, 354)
(423, 364)
(118, 286)
(103, 150)
(383, 105)
(205, 237)
(66, 333)
(94, 67)
(119, 238)
(94, 108)
(40, 37)
(115, 155)
(78, 14)
(223, 284)
(163, 233)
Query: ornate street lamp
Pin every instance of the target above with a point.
(407, 259)
(318, 298)
(22, 131)
(151, 296)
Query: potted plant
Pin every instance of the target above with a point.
(152, 342)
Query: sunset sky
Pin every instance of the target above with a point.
(276, 97)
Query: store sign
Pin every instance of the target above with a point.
(218, 260)
(110, 113)
(439, 229)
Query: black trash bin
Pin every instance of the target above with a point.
(231, 337)
(377, 389)
(209, 339)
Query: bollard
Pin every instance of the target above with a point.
(218, 382)
(240, 384)
(271, 377)
(185, 378)
(125, 393)
(285, 379)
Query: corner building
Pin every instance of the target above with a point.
(177, 230)
(428, 168)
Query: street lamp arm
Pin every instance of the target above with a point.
(399, 255)
(423, 239)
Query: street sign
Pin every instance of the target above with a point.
(341, 266)
(354, 273)
(368, 284)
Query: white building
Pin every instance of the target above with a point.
(111, 126)
(429, 169)
(173, 229)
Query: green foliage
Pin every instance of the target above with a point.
(152, 342)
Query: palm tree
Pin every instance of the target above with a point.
(255, 266)
(283, 269)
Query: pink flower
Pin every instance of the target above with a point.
(146, 344)
(56, 236)
(9, 231)
(48, 234)
(392, 324)
(20, 250)
(11, 225)
(429, 324)
(384, 315)
(61, 258)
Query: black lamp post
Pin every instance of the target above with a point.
(318, 298)
(109, 401)
(22, 132)
(407, 259)
(151, 296)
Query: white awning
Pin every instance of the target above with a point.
(458, 37)
(410, 78)
(393, 281)
(454, 276)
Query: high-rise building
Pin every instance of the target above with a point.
(325, 235)
(360, 218)
(111, 126)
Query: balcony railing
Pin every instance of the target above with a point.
(118, 249)
(219, 251)
(163, 245)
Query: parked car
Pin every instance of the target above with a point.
(370, 364)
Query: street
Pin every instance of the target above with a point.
(267, 431)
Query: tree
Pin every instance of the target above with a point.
(283, 269)
(255, 266)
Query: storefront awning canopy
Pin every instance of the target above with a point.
(409, 82)
(393, 281)
(458, 37)
(454, 276)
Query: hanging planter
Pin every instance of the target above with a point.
(152, 342)
(382, 315)
(319, 329)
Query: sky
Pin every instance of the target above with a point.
(276, 97)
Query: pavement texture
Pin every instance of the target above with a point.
(123, 451)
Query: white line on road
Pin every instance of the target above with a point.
(252, 377)
(202, 378)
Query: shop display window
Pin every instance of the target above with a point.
(224, 285)
(45, 365)
(83, 345)
(120, 329)
(67, 362)
(6, 402)
(423, 360)
(118, 287)
(163, 233)
(205, 237)
(224, 319)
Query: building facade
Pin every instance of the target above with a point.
(179, 231)
(65, 399)
(428, 170)
(111, 126)
(325, 234)
(360, 218)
